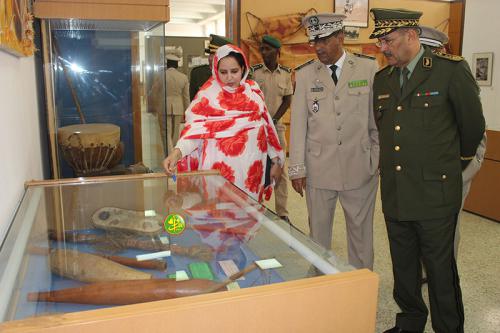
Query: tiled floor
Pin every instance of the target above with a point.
(478, 264)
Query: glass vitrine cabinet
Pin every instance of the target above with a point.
(100, 243)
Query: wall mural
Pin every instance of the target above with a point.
(16, 27)
(284, 27)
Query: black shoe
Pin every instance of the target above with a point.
(396, 329)
(286, 219)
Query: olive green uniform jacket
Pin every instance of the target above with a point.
(199, 75)
(426, 132)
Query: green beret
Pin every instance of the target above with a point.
(217, 41)
(274, 42)
(388, 20)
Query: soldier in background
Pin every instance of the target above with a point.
(334, 140)
(200, 74)
(430, 123)
(177, 99)
(436, 40)
(275, 81)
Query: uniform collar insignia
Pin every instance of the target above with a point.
(427, 62)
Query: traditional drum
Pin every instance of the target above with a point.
(89, 148)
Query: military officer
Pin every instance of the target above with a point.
(430, 123)
(177, 99)
(275, 81)
(200, 74)
(334, 140)
(437, 40)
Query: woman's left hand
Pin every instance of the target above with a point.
(276, 171)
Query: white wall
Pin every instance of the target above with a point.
(19, 133)
(481, 35)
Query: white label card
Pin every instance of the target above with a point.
(268, 263)
(164, 240)
(181, 276)
(154, 255)
(229, 268)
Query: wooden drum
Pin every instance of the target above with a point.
(89, 148)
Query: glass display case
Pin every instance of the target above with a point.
(105, 92)
(99, 243)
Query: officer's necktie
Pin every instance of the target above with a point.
(405, 72)
(334, 74)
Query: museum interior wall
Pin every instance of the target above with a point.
(480, 19)
(20, 143)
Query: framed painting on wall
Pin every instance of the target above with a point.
(355, 10)
(482, 67)
(16, 27)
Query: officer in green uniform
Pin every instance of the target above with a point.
(275, 81)
(430, 122)
(200, 74)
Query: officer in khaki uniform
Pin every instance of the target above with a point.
(177, 99)
(334, 148)
(275, 81)
(436, 40)
(430, 124)
(200, 74)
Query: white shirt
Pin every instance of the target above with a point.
(339, 65)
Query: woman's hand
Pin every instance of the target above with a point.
(276, 171)
(170, 163)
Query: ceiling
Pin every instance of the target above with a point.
(196, 11)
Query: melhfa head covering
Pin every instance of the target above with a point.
(217, 41)
(388, 20)
(270, 40)
(432, 37)
(322, 25)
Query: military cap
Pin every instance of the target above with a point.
(172, 57)
(432, 37)
(322, 25)
(217, 41)
(274, 42)
(388, 20)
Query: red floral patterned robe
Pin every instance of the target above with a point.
(229, 129)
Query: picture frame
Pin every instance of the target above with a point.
(482, 67)
(351, 34)
(16, 27)
(356, 11)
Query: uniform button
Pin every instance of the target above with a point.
(399, 108)
(338, 113)
(340, 142)
(337, 98)
(443, 177)
(397, 148)
(397, 128)
(398, 168)
(339, 128)
(426, 105)
(380, 107)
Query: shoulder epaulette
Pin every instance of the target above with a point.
(384, 69)
(257, 66)
(447, 56)
(286, 69)
(364, 56)
(304, 64)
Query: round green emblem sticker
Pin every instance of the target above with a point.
(174, 224)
